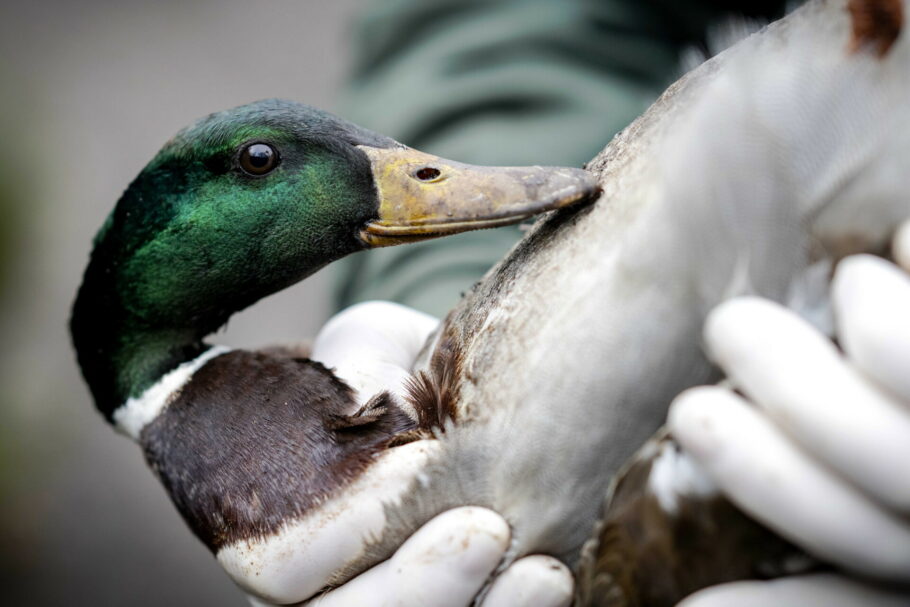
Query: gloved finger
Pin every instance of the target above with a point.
(900, 247)
(797, 376)
(760, 469)
(372, 346)
(444, 563)
(534, 581)
(871, 299)
(821, 590)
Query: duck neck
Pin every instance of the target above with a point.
(123, 366)
(121, 355)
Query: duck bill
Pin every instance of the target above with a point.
(423, 196)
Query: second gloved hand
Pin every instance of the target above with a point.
(820, 451)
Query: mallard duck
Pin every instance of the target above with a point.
(239, 205)
(549, 375)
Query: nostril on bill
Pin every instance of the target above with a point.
(427, 173)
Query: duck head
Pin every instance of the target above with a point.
(249, 201)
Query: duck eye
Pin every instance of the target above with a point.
(258, 159)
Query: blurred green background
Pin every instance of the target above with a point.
(90, 90)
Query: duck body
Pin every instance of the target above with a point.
(751, 175)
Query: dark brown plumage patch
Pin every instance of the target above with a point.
(434, 393)
(876, 24)
(647, 557)
(256, 439)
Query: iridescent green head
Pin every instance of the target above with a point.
(251, 200)
(240, 204)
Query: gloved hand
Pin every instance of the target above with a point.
(446, 562)
(819, 448)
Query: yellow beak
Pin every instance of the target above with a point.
(423, 196)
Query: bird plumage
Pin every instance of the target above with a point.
(752, 174)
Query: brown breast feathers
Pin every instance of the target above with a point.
(256, 439)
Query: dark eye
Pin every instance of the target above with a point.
(258, 159)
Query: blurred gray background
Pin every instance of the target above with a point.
(90, 90)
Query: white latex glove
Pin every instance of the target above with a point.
(820, 452)
(446, 562)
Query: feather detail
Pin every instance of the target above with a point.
(434, 392)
